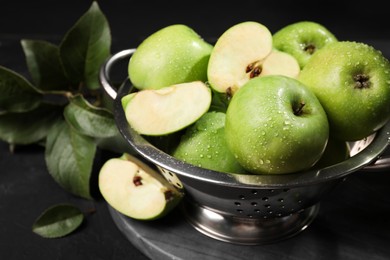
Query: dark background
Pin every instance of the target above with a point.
(356, 214)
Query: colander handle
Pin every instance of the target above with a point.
(105, 69)
(382, 163)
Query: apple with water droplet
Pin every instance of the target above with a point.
(302, 39)
(276, 125)
(204, 145)
(172, 55)
(352, 82)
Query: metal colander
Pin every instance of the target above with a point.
(239, 208)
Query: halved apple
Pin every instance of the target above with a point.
(280, 63)
(166, 110)
(237, 55)
(136, 190)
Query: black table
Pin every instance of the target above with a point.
(353, 221)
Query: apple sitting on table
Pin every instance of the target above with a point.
(204, 145)
(352, 82)
(276, 125)
(136, 190)
(166, 110)
(172, 55)
(302, 39)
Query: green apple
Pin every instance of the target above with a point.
(135, 189)
(237, 56)
(336, 151)
(166, 110)
(302, 39)
(204, 145)
(352, 82)
(172, 55)
(280, 63)
(276, 125)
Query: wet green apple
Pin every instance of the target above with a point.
(135, 189)
(172, 55)
(167, 110)
(276, 125)
(352, 82)
(302, 39)
(237, 56)
(204, 145)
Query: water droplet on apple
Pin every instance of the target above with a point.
(261, 161)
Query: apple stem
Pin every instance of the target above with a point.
(310, 48)
(298, 110)
(168, 195)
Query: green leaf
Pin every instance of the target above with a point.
(28, 127)
(69, 158)
(85, 47)
(17, 94)
(43, 61)
(58, 221)
(88, 119)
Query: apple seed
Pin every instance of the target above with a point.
(137, 180)
(254, 68)
(361, 81)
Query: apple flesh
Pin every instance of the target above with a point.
(276, 125)
(302, 39)
(136, 190)
(204, 145)
(352, 82)
(237, 56)
(280, 63)
(166, 110)
(172, 55)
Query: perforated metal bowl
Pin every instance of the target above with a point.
(245, 209)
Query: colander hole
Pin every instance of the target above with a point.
(239, 210)
(272, 190)
(170, 173)
(299, 201)
(237, 203)
(254, 203)
(254, 192)
(269, 212)
(268, 206)
(257, 211)
(249, 216)
(279, 215)
(265, 198)
(179, 185)
(286, 190)
(282, 206)
(242, 197)
(281, 200)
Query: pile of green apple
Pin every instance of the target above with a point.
(254, 102)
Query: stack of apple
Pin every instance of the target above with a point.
(254, 102)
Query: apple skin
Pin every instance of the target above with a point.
(148, 197)
(352, 82)
(172, 55)
(204, 145)
(302, 39)
(270, 132)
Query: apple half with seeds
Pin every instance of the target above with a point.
(135, 189)
(237, 56)
(166, 110)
